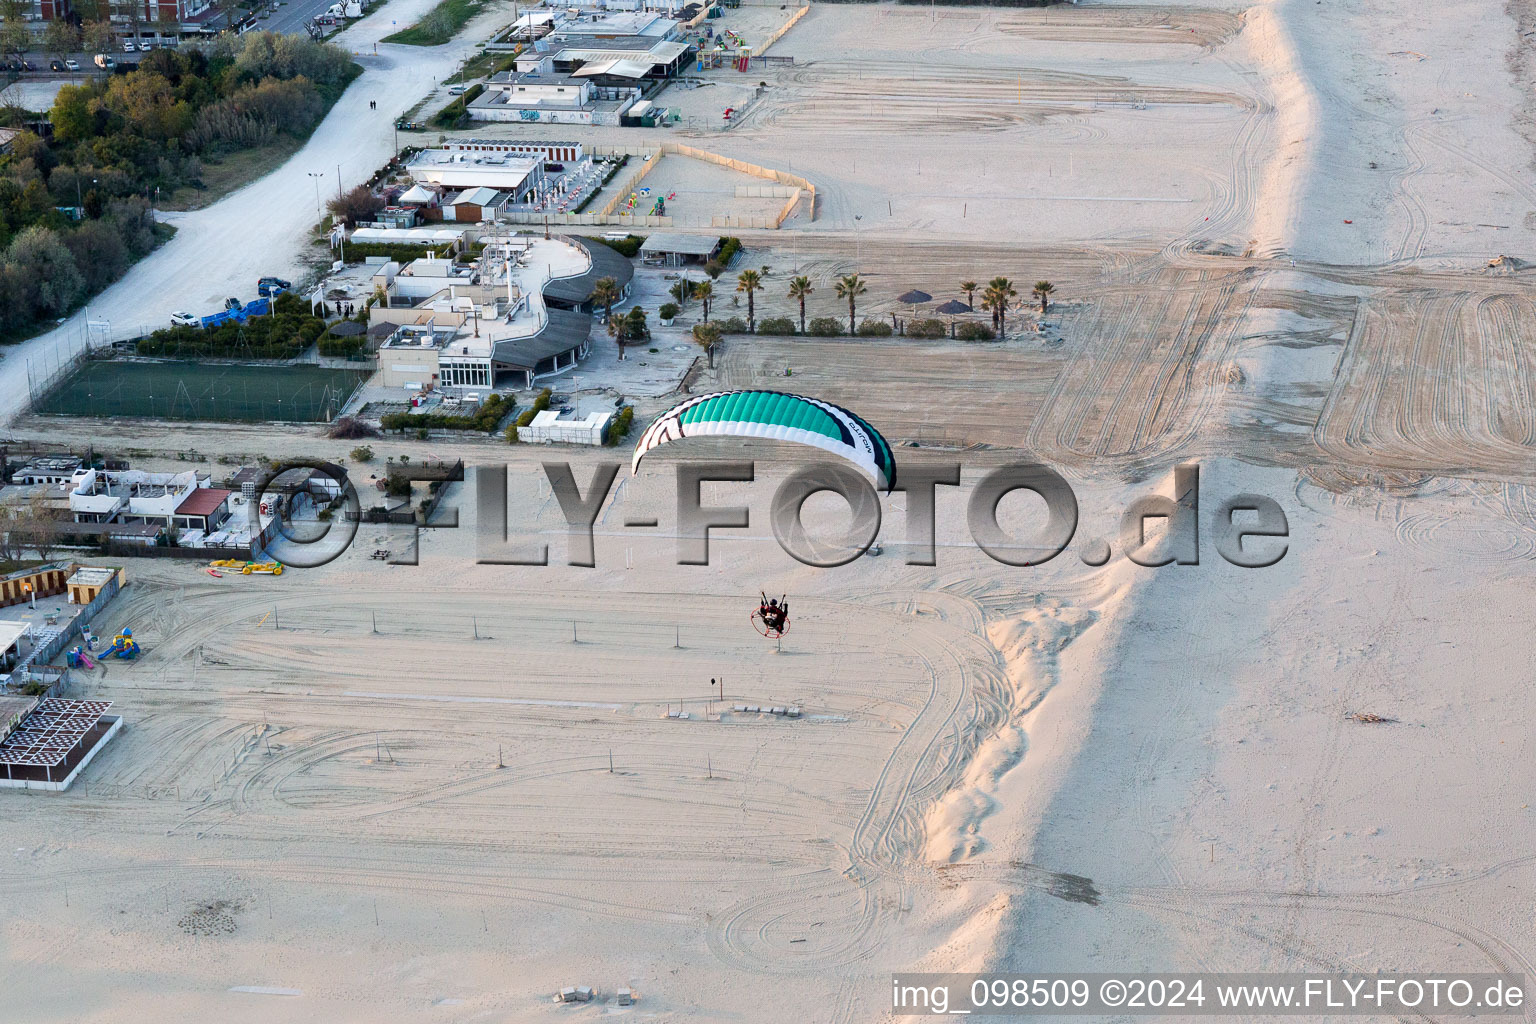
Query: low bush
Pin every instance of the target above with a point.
(824, 327)
(358, 251)
(458, 110)
(283, 334)
(343, 348)
(350, 428)
(974, 332)
(619, 427)
(362, 453)
(624, 246)
(526, 417)
(776, 325)
(668, 310)
(732, 325)
(926, 329)
(729, 247)
(874, 329)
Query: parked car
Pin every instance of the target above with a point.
(146, 47)
(232, 303)
(55, 65)
(72, 64)
(182, 319)
(28, 65)
(270, 287)
(103, 61)
(129, 47)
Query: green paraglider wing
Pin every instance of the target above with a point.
(775, 416)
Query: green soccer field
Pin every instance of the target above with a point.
(203, 391)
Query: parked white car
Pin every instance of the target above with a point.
(185, 320)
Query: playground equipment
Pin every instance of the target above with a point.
(123, 646)
(79, 659)
(247, 568)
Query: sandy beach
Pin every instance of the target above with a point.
(442, 792)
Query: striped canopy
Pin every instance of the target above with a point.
(776, 416)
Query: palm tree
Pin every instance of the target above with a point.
(707, 336)
(800, 288)
(605, 292)
(969, 288)
(750, 281)
(850, 288)
(1043, 289)
(999, 293)
(704, 291)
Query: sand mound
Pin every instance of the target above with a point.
(1029, 643)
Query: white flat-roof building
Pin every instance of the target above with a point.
(536, 92)
(514, 173)
(48, 469)
(618, 25)
(548, 428)
(130, 496)
(484, 326)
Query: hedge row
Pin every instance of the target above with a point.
(289, 330)
(730, 245)
(485, 419)
(624, 246)
(526, 416)
(621, 424)
(404, 252)
(456, 111)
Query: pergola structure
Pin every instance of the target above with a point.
(54, 739)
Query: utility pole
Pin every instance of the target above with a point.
(315, 176)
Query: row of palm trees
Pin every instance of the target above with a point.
(996, 298)
(849, 287)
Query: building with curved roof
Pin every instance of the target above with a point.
(575, 293)
(518, 314)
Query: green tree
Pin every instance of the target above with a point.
(605, 292)
(14, 36)
(682, 291)
(1041, 291)
(750, 281)
(39, 254)
(800, 288)
(61, 37)
(969, 288)
(635, 330)
(96, 37)
(704, 291)
(850, 287)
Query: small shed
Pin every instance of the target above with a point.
(676, 249)
(88, 582)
